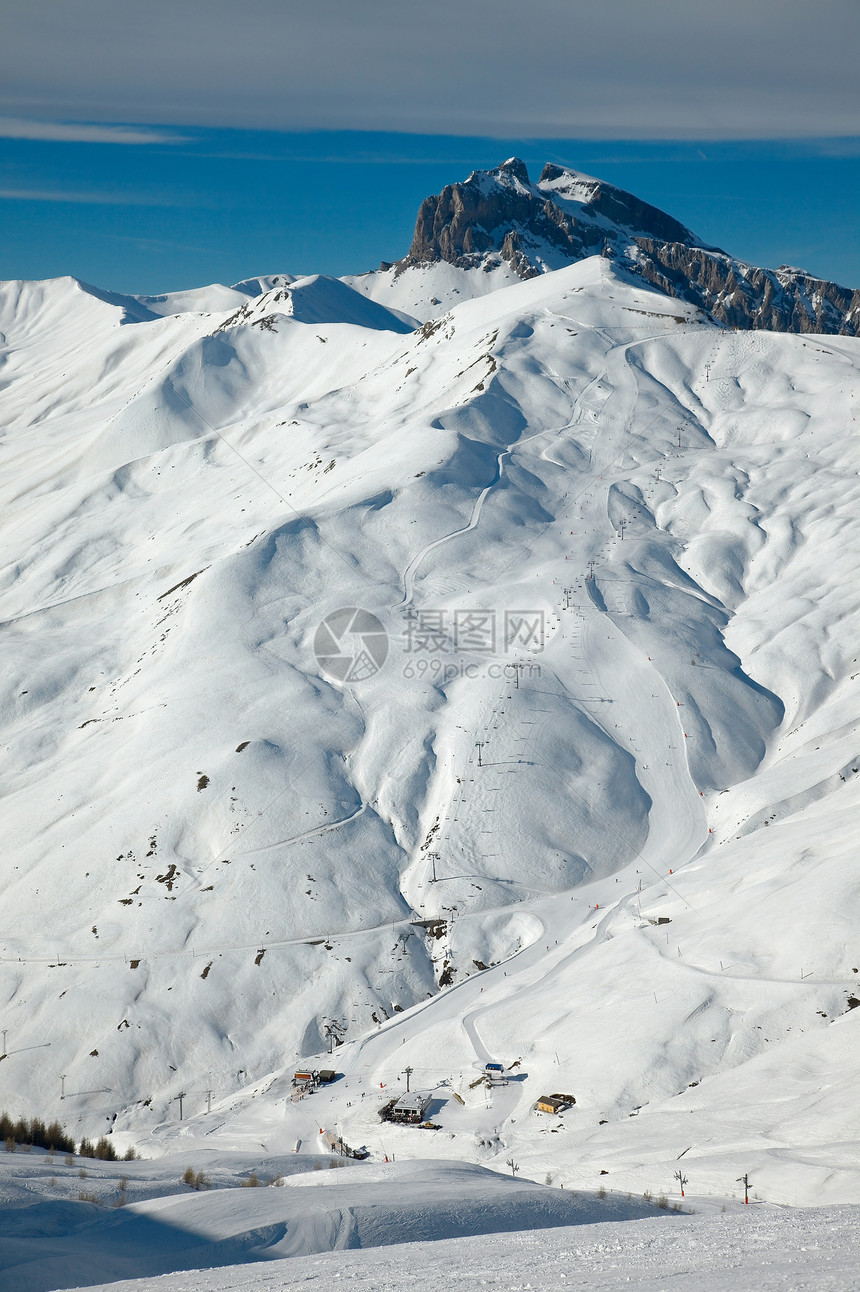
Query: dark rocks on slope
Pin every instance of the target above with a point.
(500, 216)
(744, 296)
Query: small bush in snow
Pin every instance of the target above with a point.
(195, 1179)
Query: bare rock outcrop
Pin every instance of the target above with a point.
(500, 216)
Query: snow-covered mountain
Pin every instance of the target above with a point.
(500, 221)
(447, 665)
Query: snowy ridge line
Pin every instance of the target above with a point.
(721, 614)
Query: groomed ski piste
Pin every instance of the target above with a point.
(593, 818)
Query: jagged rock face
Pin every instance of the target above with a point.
(501, 211)
(744, 296)
(500, 215)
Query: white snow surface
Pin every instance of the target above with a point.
(425, 292)
(57, 1231)
(217, 856)
(767, 1249)
(392, 1225)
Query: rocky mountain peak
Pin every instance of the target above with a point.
(499, 217)
(515, 167)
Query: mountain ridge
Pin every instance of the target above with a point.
(500, 216)
(594, 815)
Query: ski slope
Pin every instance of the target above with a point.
(391, 1225)
(147, 1222)
(769, 1250)
(614, 550)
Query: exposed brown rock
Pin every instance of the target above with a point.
(500, 216)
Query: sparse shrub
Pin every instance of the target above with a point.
(53, 1182)
(548, 1178)
(253, 1181)
(69, 1160)
(123, 1183)
(676, 1206)
(663, 1202)
(318, 1166)
(648, 1195)
(9, 1144)
(131, 1155)
(82, 1173)
(601, 1192)
(90, 1197)
(195, 1179)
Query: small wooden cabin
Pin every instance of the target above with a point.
(551, 1104)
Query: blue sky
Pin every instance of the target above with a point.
(226, 204)
(147, 148)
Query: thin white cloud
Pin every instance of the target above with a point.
(75, 133)
(90, 198)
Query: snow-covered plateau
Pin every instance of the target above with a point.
(409, 673)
